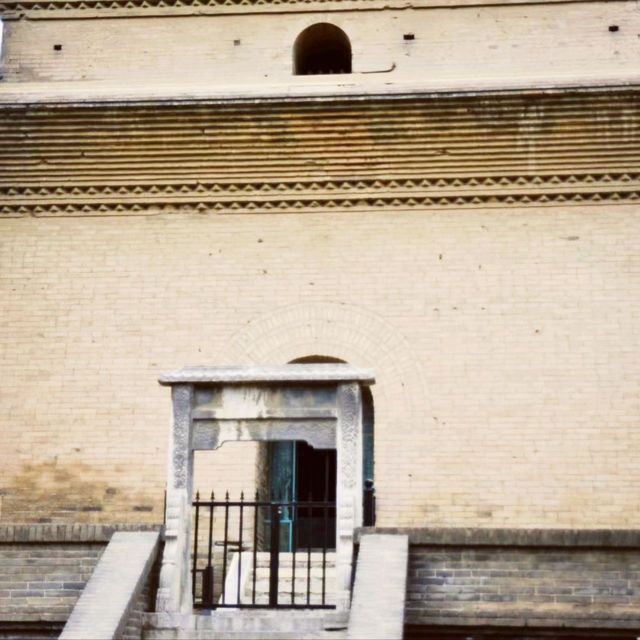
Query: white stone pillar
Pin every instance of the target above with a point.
(349, 489)
(174, 591)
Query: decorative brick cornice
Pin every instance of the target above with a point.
(238, 190)
(306, 203)
(412, 154)
(44, 6)
(65, 8)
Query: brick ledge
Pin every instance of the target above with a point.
(62, 533)
(484, 537)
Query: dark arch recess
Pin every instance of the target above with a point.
(321, 48)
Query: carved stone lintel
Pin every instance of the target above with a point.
(212, 434)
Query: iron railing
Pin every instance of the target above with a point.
(237, 543)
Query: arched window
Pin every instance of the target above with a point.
(320, 49)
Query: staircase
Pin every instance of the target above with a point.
(231, 623)
(311, 582)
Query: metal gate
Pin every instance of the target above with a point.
(238, 559)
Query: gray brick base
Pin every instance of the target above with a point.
(546, 578)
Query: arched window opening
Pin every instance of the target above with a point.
(322, 48)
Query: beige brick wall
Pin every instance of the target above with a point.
(505, 344)
(471, 46)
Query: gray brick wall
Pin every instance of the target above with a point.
(572, 578)
(467, 585)
(42, 581)
(43, 570)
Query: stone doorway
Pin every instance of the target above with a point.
(319, 404)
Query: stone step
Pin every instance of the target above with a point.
(257, 623)
(267, 635)
(284, 586)
(260, 621)
(287, 572)
(263, 558)
(300, 598)
(304, 573)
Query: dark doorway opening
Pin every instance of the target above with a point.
(316, 481)
(321, 49)
(316, 473)
(302, 474)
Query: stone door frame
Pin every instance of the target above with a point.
(320, 404)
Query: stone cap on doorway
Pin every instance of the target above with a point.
(325, 372)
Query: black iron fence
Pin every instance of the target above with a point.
(263, 554)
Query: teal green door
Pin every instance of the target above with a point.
(283, 468)
(293, 475)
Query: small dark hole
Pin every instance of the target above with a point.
(57, 47)
(236, 43)
(613, 28)
(409, 36)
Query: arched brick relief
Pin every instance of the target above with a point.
(350, 333)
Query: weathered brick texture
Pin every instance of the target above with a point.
(505, 349)
(479, 585)
(43, 570)
(42, 581)
(218, 51)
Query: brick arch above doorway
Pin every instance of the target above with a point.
(343, 332)
(364, 339)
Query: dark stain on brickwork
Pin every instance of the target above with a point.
(52, 492)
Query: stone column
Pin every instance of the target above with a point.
(174, 591)
(349, 489)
